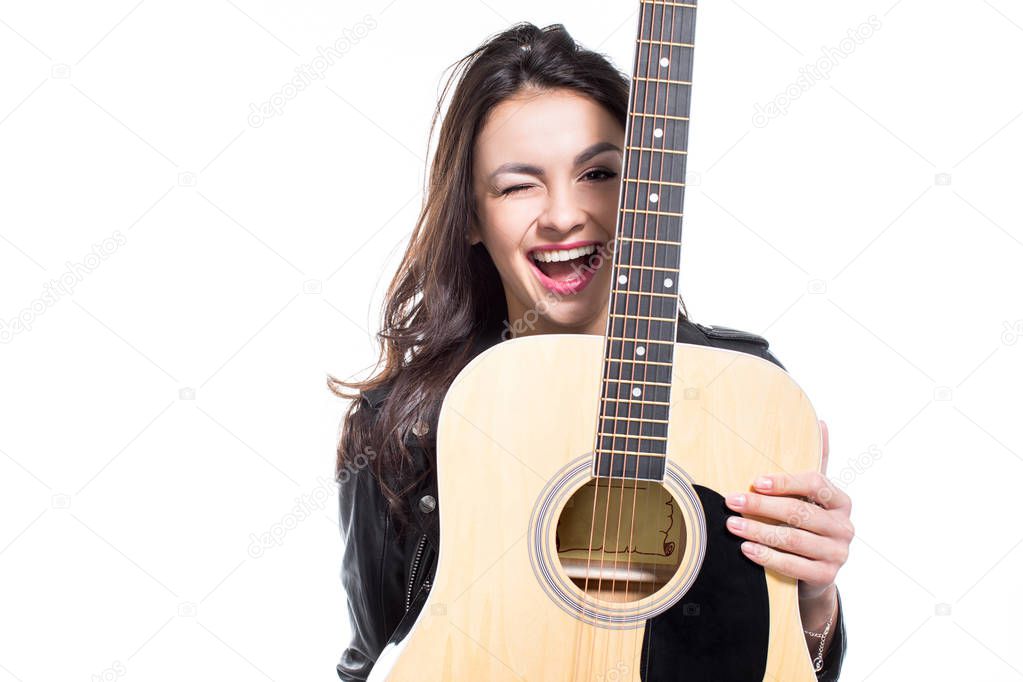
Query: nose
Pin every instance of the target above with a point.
(562, 214)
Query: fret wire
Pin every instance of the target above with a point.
(622, 435)
(642, 362)
(667, 116)
(662, 80)
(647, 211)
(646, 267)
(634, 401)
(633, 381)
(636, 419)
(663, 42)
(647, 341)
(642, 317)
(651, 149)
(668, 3)
(656, 182)
(631, 454)
(650, 241)
(642, 293)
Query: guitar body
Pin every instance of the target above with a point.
(515, 447)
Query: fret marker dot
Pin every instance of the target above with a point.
(658, 132)
(668, 283)
(654, 197)
(622, 279)
(636, 392)
(640, 350)
(665, 62)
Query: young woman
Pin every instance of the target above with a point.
(529, 159)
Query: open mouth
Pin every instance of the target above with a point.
(563, 265)
(566, 270)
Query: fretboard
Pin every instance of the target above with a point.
(643, 307)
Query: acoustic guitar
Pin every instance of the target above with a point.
(581, 477)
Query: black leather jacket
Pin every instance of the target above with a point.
(386, 575)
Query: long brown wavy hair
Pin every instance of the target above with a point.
(447, 291)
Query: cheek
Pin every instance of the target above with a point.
(609, 214)
(602, 203)
(606, 213)
(506, 227)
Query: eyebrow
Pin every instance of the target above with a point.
(529, 169)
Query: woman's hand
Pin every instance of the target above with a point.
(812, 543)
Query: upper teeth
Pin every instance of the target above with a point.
(552, 256)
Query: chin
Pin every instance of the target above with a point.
(567, 317)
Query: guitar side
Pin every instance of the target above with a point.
(514, 420)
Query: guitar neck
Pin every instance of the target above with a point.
(643, 305)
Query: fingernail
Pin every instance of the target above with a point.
(764, 483)
(736, 500)
(750, 548)
(736, 522)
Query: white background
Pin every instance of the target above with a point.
(171, 405)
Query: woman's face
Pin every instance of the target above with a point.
(546, 178)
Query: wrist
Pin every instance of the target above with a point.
(815, 612)
(819, 615)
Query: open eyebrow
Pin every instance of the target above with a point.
(528, 169)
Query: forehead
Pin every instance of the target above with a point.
(549, 126)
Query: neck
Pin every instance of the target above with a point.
(528, 325)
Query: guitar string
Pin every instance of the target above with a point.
(615, 272)
(645, 361)
(622, 633)
(657, 235)
(602, 417)
(633, 365)
(650, 70)
(652, 498)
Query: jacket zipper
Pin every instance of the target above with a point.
(412, 574)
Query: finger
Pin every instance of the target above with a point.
(801, 568)
(813, 485)
(792, 540)
(794, 512)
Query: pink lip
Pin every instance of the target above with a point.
(564, 288)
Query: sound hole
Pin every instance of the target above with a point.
(621, 540)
